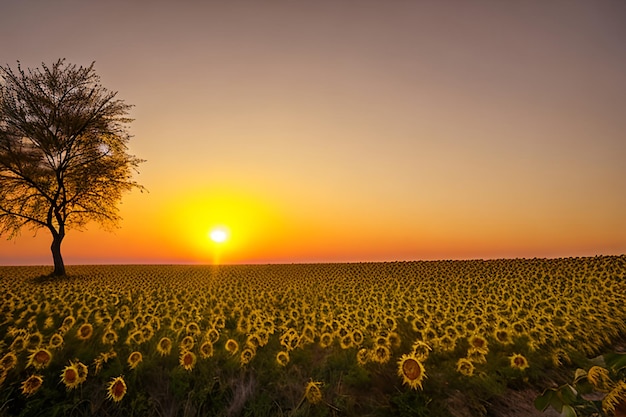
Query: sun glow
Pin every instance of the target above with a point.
(218, 235)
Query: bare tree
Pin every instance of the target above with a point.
(63, 151)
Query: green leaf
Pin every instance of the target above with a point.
(543, 401)
(584, 387)
(568, 411)
(579, 374)
(616, 361)
(557, 402)
(569, 394)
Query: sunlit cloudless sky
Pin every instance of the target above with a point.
(349, 131)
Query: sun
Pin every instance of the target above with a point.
(218, 235)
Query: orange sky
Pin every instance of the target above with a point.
(362, 131)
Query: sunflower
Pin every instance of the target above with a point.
(362, 356)
(326, 339)
(212, 335)
(187, 343)
(48, 323)
(135, 337)
(35, 339)
(253, 341)
(246, 355)
(187, 360)
(109, 337)
(206, 350)
(193, 329)
(346, 341)
(68, 323)
(82, 371)
(134, 359)
(231, 346)
(282, 358)
(18, 344)
(308, 334)
(69, 376)
(503, 336)
(31, 384)
(116, 389)
(102, 359)
(394, 340)
(615, 399)
(56, 341)
(381, 354)
(446, 343)
(8, 361)
(164, 347)
(478, 344)
(357, 337)
(465, 367)
(518, 361)
(312, 392)
(411, 370)
(39, 358)
(85, 331)
(599, 378)
(421, 350)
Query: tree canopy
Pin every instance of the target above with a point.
(64, 158)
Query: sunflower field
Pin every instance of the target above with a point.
(427, 338)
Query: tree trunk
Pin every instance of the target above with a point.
(59, 266)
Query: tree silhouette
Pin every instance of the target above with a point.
(63, 151)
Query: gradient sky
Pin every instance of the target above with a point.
(349, 131)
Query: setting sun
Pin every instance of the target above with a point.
(218, 235)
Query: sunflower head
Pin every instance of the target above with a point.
(282, 358)
(85, 331)
(346, 341)
(326, 339)
(69, 376)
(68, 323)
(206, 350)
(116, 389)
(192, 329)
(134, 359)
(8, 361)
(479, 344)
(381, 354)
(599, 378)
(232, 346)
(164, 347)
(246, 355)
(40, 358)
(109, 337)
(312, 392)
(465, 367)
(503, 336)
(615, 400)
(56, 341)
(18, 344)
(34, 339)
(363, 356)
(187, 360)
(213, 335)
(421, 350)
(31, 385)
(411, 370)
(518, 361)
(187, 343)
